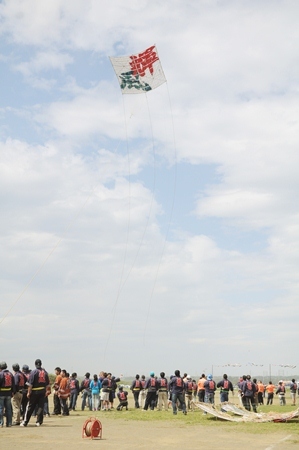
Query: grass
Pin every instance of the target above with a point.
(197, 418)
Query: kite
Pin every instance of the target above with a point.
(246, 416)
(139, 73)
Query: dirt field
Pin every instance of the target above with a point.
(66, 433)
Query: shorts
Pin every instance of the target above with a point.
(105, 396)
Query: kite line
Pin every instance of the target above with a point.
(139, 74)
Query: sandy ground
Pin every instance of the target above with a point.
(66, 433)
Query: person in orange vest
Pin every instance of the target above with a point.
(56, 400)
(201, 388)
(260, 392)
(64, 392)
(270, 390)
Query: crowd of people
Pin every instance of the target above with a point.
(24, 392)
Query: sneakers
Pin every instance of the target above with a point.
(23, 424)
(37, 424)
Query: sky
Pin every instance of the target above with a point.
(156, 231)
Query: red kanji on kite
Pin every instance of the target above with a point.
(143, 61)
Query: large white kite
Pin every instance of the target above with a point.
(139, 73)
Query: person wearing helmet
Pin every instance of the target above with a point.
(210, 388)
(16, 401)
(7, 389)
(38, 388)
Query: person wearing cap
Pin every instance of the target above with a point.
(56, 400)
(225, 386)
(38, 388)
(177, 389)
(7, 390)
(210, 388)
(152, 387)
(86, 392)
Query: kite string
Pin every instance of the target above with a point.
(170, 218)
(122, 284)
(152, 196)
(127, 236)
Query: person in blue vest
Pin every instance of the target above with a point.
(177, 388)
(7, 390)
(38, 388)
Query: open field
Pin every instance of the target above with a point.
(135, 429)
